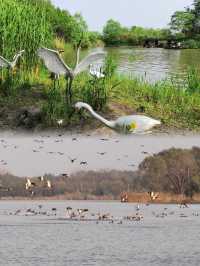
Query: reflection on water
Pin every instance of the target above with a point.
(39, 240)
(155, 64)
(35, 155)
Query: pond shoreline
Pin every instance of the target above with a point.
(137, 197)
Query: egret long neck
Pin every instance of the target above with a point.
(100, 118)
(15, 60)
(77, 56)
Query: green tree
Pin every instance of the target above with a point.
(182, 22)
(112, 32)
(196, 12)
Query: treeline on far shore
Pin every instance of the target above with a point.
(184, 27)
(20, 18)
(173, 171)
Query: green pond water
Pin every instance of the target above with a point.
(154, 64)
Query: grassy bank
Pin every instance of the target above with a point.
(177, 106)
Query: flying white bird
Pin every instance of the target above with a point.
(7, 64)
(54, 62)
(29, 184)
(124, 124)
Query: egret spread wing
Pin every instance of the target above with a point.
(53, 61)
(91, 58)
(4, 62)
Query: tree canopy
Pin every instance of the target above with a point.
(173, 170)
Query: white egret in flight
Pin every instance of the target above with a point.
(124, 124)
(29, 184)
(54, 62)
(10, 64)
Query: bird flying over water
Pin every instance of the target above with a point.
(4, 63)
(124, 124)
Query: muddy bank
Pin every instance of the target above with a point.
(133, 197)
(163, 198)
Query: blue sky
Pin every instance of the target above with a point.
(147, 13)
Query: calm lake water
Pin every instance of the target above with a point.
(155, 64)
(169, 239)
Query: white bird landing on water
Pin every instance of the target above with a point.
(7, 64)
(124, 124)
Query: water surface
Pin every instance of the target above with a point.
(153, 64)
(41, 240)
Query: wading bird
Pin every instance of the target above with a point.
(10, 65)
(41, 178)
(124, 124)
(60, 122)
(54, 62)
(96, 71)
(153, 195)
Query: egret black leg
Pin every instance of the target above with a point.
(69, 90)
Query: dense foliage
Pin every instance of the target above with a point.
(115, 34)
(28, 25)
(174, 170)
(184, 26)
(23, 26)
(187, 22)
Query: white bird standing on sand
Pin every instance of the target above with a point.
(54, 62)
(124, 124)
(7, 64)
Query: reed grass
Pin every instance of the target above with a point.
(23, 26)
